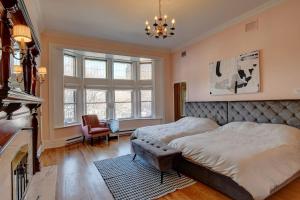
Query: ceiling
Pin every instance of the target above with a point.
(123, 20)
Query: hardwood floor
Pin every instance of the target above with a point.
(78, 178)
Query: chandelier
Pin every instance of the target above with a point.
(160, 27)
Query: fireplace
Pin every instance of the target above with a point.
(20, 173)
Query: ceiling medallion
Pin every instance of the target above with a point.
(160, 27)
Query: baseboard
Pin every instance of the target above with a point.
(61, 142)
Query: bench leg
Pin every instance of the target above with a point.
(133, 157)
(106, 139)
(161, 177)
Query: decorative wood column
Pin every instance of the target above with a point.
(27, 72)
(6, 44)
(35, 53)
(35, 132)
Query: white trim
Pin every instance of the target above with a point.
(228, 24)
(40, 150)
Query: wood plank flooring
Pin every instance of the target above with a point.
(79, 179)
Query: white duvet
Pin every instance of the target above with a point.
(259, 157)
(183, 127)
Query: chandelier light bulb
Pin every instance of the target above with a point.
(166, 16)
(146, 23)
(155, 18)
(173, 21)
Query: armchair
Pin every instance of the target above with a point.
(91, 127)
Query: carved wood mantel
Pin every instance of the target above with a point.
(12, 99)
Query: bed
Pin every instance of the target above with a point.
(168, 132)
(253, 156)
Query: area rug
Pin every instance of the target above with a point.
(137, 180)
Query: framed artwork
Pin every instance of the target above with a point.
(238, 75)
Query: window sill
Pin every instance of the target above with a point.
(140, 118)
(130, 119)
(68, 125)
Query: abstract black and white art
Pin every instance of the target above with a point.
(237, 75)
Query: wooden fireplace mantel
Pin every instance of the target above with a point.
(18, 108)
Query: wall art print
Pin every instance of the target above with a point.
(238, 75)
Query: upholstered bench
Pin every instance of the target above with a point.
(158, 154)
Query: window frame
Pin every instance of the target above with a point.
(98, 59)
(109, 84)
(75, 67)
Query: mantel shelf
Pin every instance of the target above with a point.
(13, 96)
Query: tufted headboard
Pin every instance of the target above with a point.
(213, 110)
(269, 111)
(275, 112)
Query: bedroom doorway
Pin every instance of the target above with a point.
(179, 100)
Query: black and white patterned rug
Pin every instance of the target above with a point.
(137, 180)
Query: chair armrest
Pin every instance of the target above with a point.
(85, 129)
(103, 124)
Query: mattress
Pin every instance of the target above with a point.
(258, 157)
(184, 127)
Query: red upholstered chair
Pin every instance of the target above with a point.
(92, 127)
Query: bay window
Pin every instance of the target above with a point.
(108, 86)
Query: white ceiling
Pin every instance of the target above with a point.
(123, 20)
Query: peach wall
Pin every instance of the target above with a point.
(278, 38)
(50, 135)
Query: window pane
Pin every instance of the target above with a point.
(69, 65)
(123, 110)
(69, 113)
(97, 109)
(96, 102)
(95, 68)
(70, 95)
(95, 96)
(146, 95)
(146, 109)
(145, 71)
(69, 105)
(123, 96)
(122, 71)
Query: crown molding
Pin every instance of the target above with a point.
(229, 23)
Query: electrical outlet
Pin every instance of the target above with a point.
(297, 91)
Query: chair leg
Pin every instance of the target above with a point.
(161, 177)
(83, 139)
(92, 141)
(179, 175)
(133, 157)
(106, 139)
